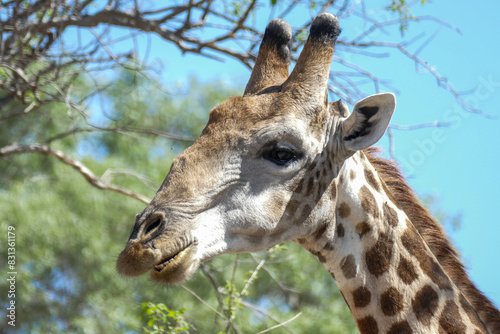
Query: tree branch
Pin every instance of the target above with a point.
(120, 129)
(420, 126)
(77, 165)
(281, 324)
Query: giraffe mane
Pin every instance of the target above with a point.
(435, 237)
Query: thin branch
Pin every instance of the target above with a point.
(379, 25)
(202, 301)
(283, 287)
(109, 175)
(442, 81)
(230, 315)
(214, 282)
(256, 309)
(77, 165)
(19, 112)
(391, 144)
(435, 124)
(282, 324)
(119, 129)
(252, 277)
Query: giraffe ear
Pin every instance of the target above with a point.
(368, 121)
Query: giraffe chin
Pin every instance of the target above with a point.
(176, 268)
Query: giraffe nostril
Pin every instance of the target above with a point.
(152, 226)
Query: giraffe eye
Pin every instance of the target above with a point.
(280, 155)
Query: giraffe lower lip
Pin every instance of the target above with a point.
(171, 259)
(162, 265)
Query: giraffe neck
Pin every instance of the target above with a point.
(390, 279)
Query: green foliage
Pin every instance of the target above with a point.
(160, 319)
(236, 7)
(402, 8)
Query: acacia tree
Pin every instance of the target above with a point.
(72, 93)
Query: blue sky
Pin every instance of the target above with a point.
(459, 167)
(457, 164)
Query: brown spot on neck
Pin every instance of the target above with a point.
(340, 230)
(406, 270)
(344, 210)
(378, 257)
(321, 231)
(329, 247)
(348, 266)
(361, 297)
(390, 215)
(363, 228)
(292, 206)
(372, 181)
(402, 327)
(367, 325)
(424, 304)
(391, 302)
(368, 202)
(333, 190)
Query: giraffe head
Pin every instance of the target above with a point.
(261, 172)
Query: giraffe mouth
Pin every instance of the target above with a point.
(173, 259)
(175, 266)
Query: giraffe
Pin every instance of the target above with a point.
(282, 164)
